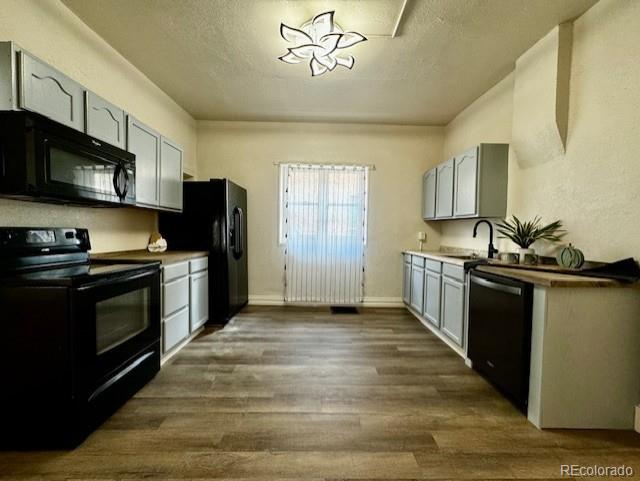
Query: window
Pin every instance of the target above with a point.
(323, 225)
(319, 199)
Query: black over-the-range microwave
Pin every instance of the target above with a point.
(43, 160)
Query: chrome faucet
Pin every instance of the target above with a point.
(492, 250)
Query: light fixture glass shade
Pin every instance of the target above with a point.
(319, 42)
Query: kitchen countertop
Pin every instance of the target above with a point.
(549, 279)
(439, 256)
(533, 275)
(167, 257)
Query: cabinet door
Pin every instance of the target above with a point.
(175, 329)
(429, 194)
(170, 175)
(444, 189)
(406, 282)
(199, 300)
(144, 142)
(452, 314)
(417, 288)
(51, 93)
(466, 184)
(432, 297)
(105, 121)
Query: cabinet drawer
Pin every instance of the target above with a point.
(433, 266)
(173, 271)
(175, 329)
(407, 258)
(455, 272)
(197, 265)
(175, 295)
(417, 261)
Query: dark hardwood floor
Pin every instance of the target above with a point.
(295, 393)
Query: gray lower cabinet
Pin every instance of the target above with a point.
(144, 142)
(429, 194)
(453, 309)
(435, 291)
(175, 304)
(432, 297)
(105, 121)
(170, 175)
(444, 190)
(185, 300)
(198, 293)
(417, 287)
(46, 91)
(406, 279)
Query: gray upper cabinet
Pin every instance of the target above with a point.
(105, 121)
(472, 184)
(444, 190)
(27, 83)
(170, 175)
(466, 183)
(429, 194)
(144, 142)
(49, 92)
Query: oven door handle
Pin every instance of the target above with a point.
(118, 280)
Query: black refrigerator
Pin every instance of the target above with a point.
(214, 219)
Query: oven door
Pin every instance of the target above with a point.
(74, 170)
(116, 321)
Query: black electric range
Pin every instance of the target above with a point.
(77, 338)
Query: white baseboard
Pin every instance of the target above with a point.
(275, 300)
(266, 300)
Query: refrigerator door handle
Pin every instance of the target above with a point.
(238, 244)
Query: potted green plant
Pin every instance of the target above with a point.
(523, 234)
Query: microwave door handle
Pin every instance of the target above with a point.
(121, 175)
(116, 180)
(125, 175)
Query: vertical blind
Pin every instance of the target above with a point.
(324, 225)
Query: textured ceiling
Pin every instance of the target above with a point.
(218, 58)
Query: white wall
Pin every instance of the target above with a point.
(488, 119)
(245, 152)
(52, 32)
(593, 187)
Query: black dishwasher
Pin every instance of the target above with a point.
(500, 333)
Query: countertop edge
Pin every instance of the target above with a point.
(165, 258)
(537, 277)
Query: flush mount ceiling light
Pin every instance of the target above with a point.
(320, 42)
